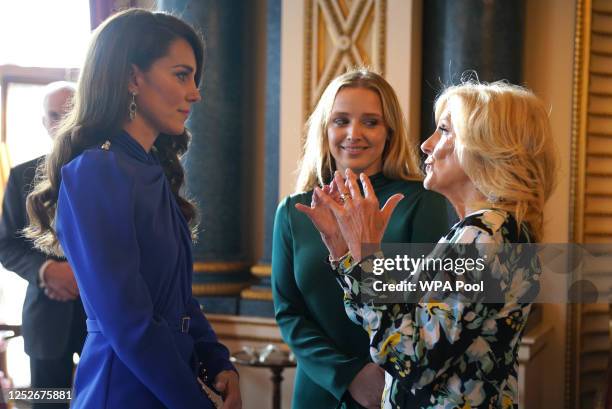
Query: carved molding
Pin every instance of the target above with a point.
(590, 194)
(339, 34)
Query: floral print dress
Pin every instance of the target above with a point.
(450, 353)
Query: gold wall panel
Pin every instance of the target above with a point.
(599, 144)
(599, 205)
(340, 34)
(588, 353)
(600, 105)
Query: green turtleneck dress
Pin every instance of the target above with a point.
(330, 349)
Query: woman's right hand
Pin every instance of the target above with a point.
(324, 220)
(368, 385)
(228, 385)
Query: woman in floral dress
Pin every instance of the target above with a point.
(493, 158)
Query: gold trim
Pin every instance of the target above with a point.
(307, 57)
(219, 266)
(218, 288)
(225, 326)
(582, 40)
(262, 270)
(258, 294)
(382, 32)
(233, 337)
(241, 319)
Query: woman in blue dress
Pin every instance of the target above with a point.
(109, 200)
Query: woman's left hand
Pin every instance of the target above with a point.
(360, 218)
(324, 220)
(228, 385)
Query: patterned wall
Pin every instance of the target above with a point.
(338, 35)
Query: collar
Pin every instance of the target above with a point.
(127, 144)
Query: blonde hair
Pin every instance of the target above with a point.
(400, 158)
(504, 144)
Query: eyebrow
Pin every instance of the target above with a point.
(364, 114)
(185, 66)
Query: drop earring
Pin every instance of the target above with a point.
(133, 107)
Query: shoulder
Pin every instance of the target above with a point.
(27, 166)
(287, 216)
(410, 187)
(26, 170)
(287, 204)
(488, 225)
(97, 168)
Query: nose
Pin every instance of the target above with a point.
(429, 144)
(353, 131)
(194, 95)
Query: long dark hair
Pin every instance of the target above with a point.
(134, 36)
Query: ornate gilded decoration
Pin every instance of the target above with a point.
(340, 34)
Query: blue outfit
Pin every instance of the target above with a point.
(122, 231)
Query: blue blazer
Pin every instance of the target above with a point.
(125, 236)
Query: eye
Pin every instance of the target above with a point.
(340, 121)
(371, 122)
(182, 76)
(443, 129)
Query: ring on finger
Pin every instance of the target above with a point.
(344, 197)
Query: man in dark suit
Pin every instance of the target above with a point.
(53, 320)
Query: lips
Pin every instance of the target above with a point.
(184, 111)
(354, 149)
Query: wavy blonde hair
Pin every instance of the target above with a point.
(400, 157)
(504, 144)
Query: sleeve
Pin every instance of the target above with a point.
(430, 220)
(95, 225)
(210, 351)
(16, 252)
(317, 355)
(415, 342)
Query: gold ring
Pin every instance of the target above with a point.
(344, 197)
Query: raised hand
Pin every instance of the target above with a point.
(359, 218)
(324, 220)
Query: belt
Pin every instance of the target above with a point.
(182, 325)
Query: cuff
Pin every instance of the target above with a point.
(347, 263)
(334, 263)
(41, 273)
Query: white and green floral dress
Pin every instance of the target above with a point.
(453, 354)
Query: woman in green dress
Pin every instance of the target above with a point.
(358, 125)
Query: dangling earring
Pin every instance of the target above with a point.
(133, 107)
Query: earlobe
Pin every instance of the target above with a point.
(134, 79)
